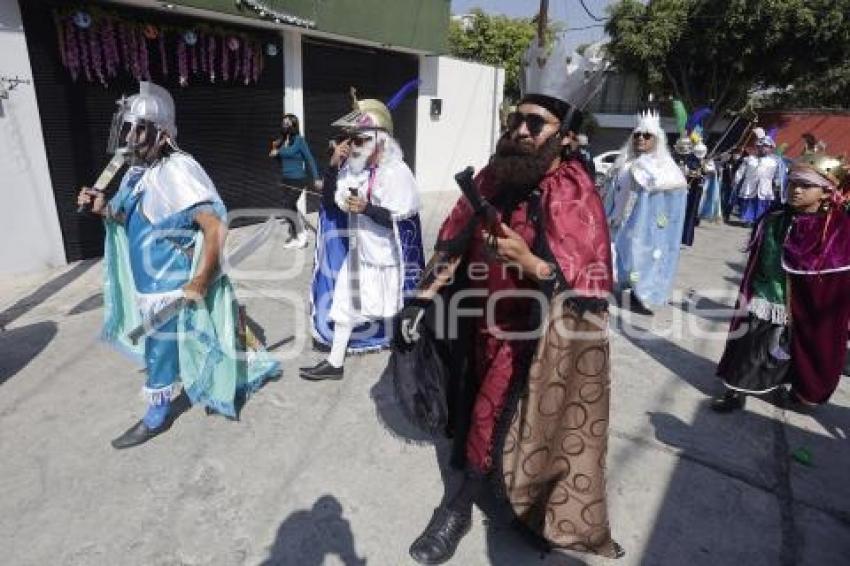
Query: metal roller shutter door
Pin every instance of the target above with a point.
(331, 68)
(226, 126)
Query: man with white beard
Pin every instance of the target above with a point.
(369, 249)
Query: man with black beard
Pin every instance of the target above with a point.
(530, 365)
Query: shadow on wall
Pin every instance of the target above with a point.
(308, 536)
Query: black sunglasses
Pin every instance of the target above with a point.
(644, 135)
(533, 122)
(358, 141)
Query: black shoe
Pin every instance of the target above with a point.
(730, 401)
(139, 433)
(638, 307)
(439, 540)
(320, 371)
(788, 399)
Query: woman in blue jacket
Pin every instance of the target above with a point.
(299, 172)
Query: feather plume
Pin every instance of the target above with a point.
(398, 97)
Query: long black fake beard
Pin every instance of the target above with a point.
(517, 169)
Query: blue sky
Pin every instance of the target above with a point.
(569, 12)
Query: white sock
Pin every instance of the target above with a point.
(342, 333)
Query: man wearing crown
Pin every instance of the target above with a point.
(165, 229)
(645, 206)
(793, 308)
(369, 247)
(526, 290)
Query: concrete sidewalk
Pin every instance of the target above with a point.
(319, 473)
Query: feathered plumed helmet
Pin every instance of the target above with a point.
(834, 169)
(370, 113)
(561, 81)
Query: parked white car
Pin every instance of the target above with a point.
(603, 163)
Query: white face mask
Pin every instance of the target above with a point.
(360, 154)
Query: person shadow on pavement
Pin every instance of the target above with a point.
(308, 536)
(20, 346)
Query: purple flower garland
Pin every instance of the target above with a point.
(101, 49)
(225, 71)
(211, 53)
(182, 62)
(71, 51)
(134, 53)
(123, 34)
(246, 66)
(110, 48)
(96, 57)
(162, 57)
(204, 59)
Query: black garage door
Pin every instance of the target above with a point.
(226, 126)
(331, 68)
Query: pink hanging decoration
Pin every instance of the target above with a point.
(237, 61)
(162, 58)
(133, 50)
(82, 37)
(182, 63)
(71, 51)
(204, 59)
(60, 38)
(211, 51)
(194, 52)
(258, 63)
(123, 35)
(96, 53)
(249, 63)
(144, 62)
(225, 71)
(110, 49)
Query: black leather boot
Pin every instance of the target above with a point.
(730, 401)
(439, 540)
(638, 307)
(320, 371)
(140, 433)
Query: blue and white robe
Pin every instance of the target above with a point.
(389, 262)
(645, 206)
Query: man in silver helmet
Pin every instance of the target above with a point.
(165, 229)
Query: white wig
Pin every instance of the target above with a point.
(654, 170)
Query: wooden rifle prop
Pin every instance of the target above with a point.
(112, 168)
(479, 204)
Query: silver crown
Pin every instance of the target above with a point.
(649, 121)
(567, 76)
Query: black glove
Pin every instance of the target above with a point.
(407, 322)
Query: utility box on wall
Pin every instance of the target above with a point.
(436, 108)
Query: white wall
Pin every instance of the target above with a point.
(30, 239)
(293, 77)
(466, 131)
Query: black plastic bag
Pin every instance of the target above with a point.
(420, 380)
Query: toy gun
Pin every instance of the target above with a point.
(115, 164)
(479, 204)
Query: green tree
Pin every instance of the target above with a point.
(719, 52)
(495, 40)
